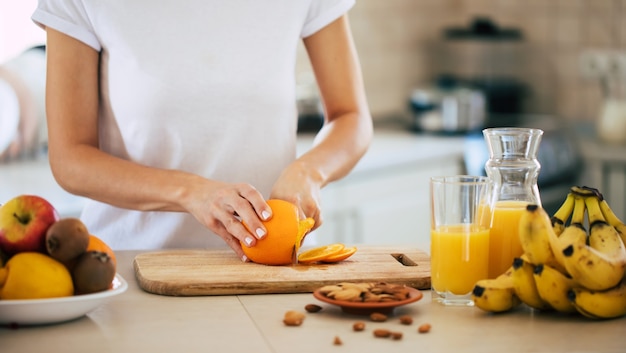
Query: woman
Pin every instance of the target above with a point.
(190, 108)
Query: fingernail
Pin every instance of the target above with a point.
(248, 241)
(244, 258)
(265, 215)
(260, 233)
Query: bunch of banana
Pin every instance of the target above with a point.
(564, 268)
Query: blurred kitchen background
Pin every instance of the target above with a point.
(403, 45)
(436, 73)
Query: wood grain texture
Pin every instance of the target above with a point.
(220, 272)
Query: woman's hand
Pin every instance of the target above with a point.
(222, 208)
(300, 185)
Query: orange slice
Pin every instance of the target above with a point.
(320, 253)
(344, 254)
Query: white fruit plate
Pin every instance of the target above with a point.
(55, 310)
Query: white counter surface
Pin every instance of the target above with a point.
(136, 321)
(390, 147)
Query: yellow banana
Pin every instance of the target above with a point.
(535, 231)
(603, 236)
(606, 304)
(552, 286)
(524, 285)
(585, 191)
(613, 220)
(601, 264)
(591, 268)
(562, 214)
(495, 295)
(575, 232)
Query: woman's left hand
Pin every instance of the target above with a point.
(301, 186)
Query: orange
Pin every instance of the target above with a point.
(320, 253)
(285, 232)
(97, 244)
(344, 254)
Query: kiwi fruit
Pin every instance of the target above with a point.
(66, 239)
(93, 272)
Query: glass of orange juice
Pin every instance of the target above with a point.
(460, 221)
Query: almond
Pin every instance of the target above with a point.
(424, 328)
(378, 317)
(358, 326)
(382, 333)
(406, 320)
(293, 318)
(312, 308)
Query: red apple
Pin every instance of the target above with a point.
(24, 221)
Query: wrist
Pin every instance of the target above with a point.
(310, 172)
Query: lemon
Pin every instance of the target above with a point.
(33, 275)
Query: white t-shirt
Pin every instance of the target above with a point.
(204, 86)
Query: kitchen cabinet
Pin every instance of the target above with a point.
(385, 200)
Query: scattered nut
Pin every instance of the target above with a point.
(312, 308)
(378, 317)
(358, 326)
(337, 341)
(293, 318)
(424, 328)
(406, 320)
(396, 336)
(382, 333)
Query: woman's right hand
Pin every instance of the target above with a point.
(224, 208)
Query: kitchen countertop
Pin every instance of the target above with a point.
(391, 146)
(136, 321)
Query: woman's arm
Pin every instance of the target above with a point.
(80, 167)
(347, 131)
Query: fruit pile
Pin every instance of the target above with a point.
(285, 233)
(43, 256)
(564, 267)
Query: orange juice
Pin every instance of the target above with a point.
(459, 257)
(504, 242)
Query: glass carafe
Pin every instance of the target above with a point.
(513, 170)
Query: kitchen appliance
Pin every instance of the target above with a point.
(489, 58)
(221, 272)
(449, 107)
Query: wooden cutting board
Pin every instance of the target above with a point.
(220, 272)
